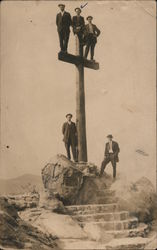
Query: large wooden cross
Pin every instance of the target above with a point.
(80, 63)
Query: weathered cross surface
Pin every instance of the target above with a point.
(80, 63)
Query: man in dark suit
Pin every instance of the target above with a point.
(63, 22)
(111, 155)
(70, 137)
(78, 24)
(91, 34)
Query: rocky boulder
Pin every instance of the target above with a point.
(49, 202)
(91, 188)
(17, 234)
(62, 178)
(73, 183)
(139, 198)
(23, 201)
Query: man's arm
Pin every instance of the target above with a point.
(73, 24)
(117, 149)
(63, 128)
(106, 150)
(97, 31)
(83, 22)
(57, 19)
(70, 20)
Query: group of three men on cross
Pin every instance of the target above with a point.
(69, 131)
(87, 34)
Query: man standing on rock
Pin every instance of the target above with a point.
(70, 137)
(63, 22)
(111, 155)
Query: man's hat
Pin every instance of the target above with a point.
(109, 136)
(89, 17)
(61, 4)
(69, 114)
(78, 9)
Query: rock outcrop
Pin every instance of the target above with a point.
(139, 198)
(79, 184)
(64, 178)
(15, 233)
(23, 201)
(61, 225)
(49, 202)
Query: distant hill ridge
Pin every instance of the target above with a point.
(22, 184)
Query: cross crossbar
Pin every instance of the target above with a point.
(69, 58)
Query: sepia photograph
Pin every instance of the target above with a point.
(78, 125)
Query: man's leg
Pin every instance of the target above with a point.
(114, 168)
(92, 50)
(103, 165)
(80, 43)
(67, 146)
(61, 40)
(73, 148)
(86, 50)
(66, 40)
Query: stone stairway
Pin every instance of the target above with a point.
(108, 218)
(119, 231)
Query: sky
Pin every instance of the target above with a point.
(37, 89)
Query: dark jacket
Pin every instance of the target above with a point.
(115, 148)
(96, 31)
(69, 131)
(63, 22)
(78, 22)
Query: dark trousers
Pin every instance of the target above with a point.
(73, 149)
(80, 37)
(63, 39)
(90, 44)
(109, 158)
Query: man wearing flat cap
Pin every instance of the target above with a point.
(111, 155)
(78, 24)
(70, 137)
(63, 22)
(91, 34)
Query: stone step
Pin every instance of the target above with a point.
(106, 192)
(137, 243)
(141, 231)
(107, 200)
(112, 225)
(92, 208)
(127, 244)
(122, 215)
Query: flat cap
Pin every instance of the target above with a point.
(78, 9)
(89, 17)
(69, 114)
(109, 136)
(61, 4)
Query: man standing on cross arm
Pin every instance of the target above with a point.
(111, 155)
(91, 33)
(63, 22)
(78, 24)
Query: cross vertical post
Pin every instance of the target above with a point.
(80, 63)
(80, 108)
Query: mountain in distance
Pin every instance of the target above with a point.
(20, 185)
